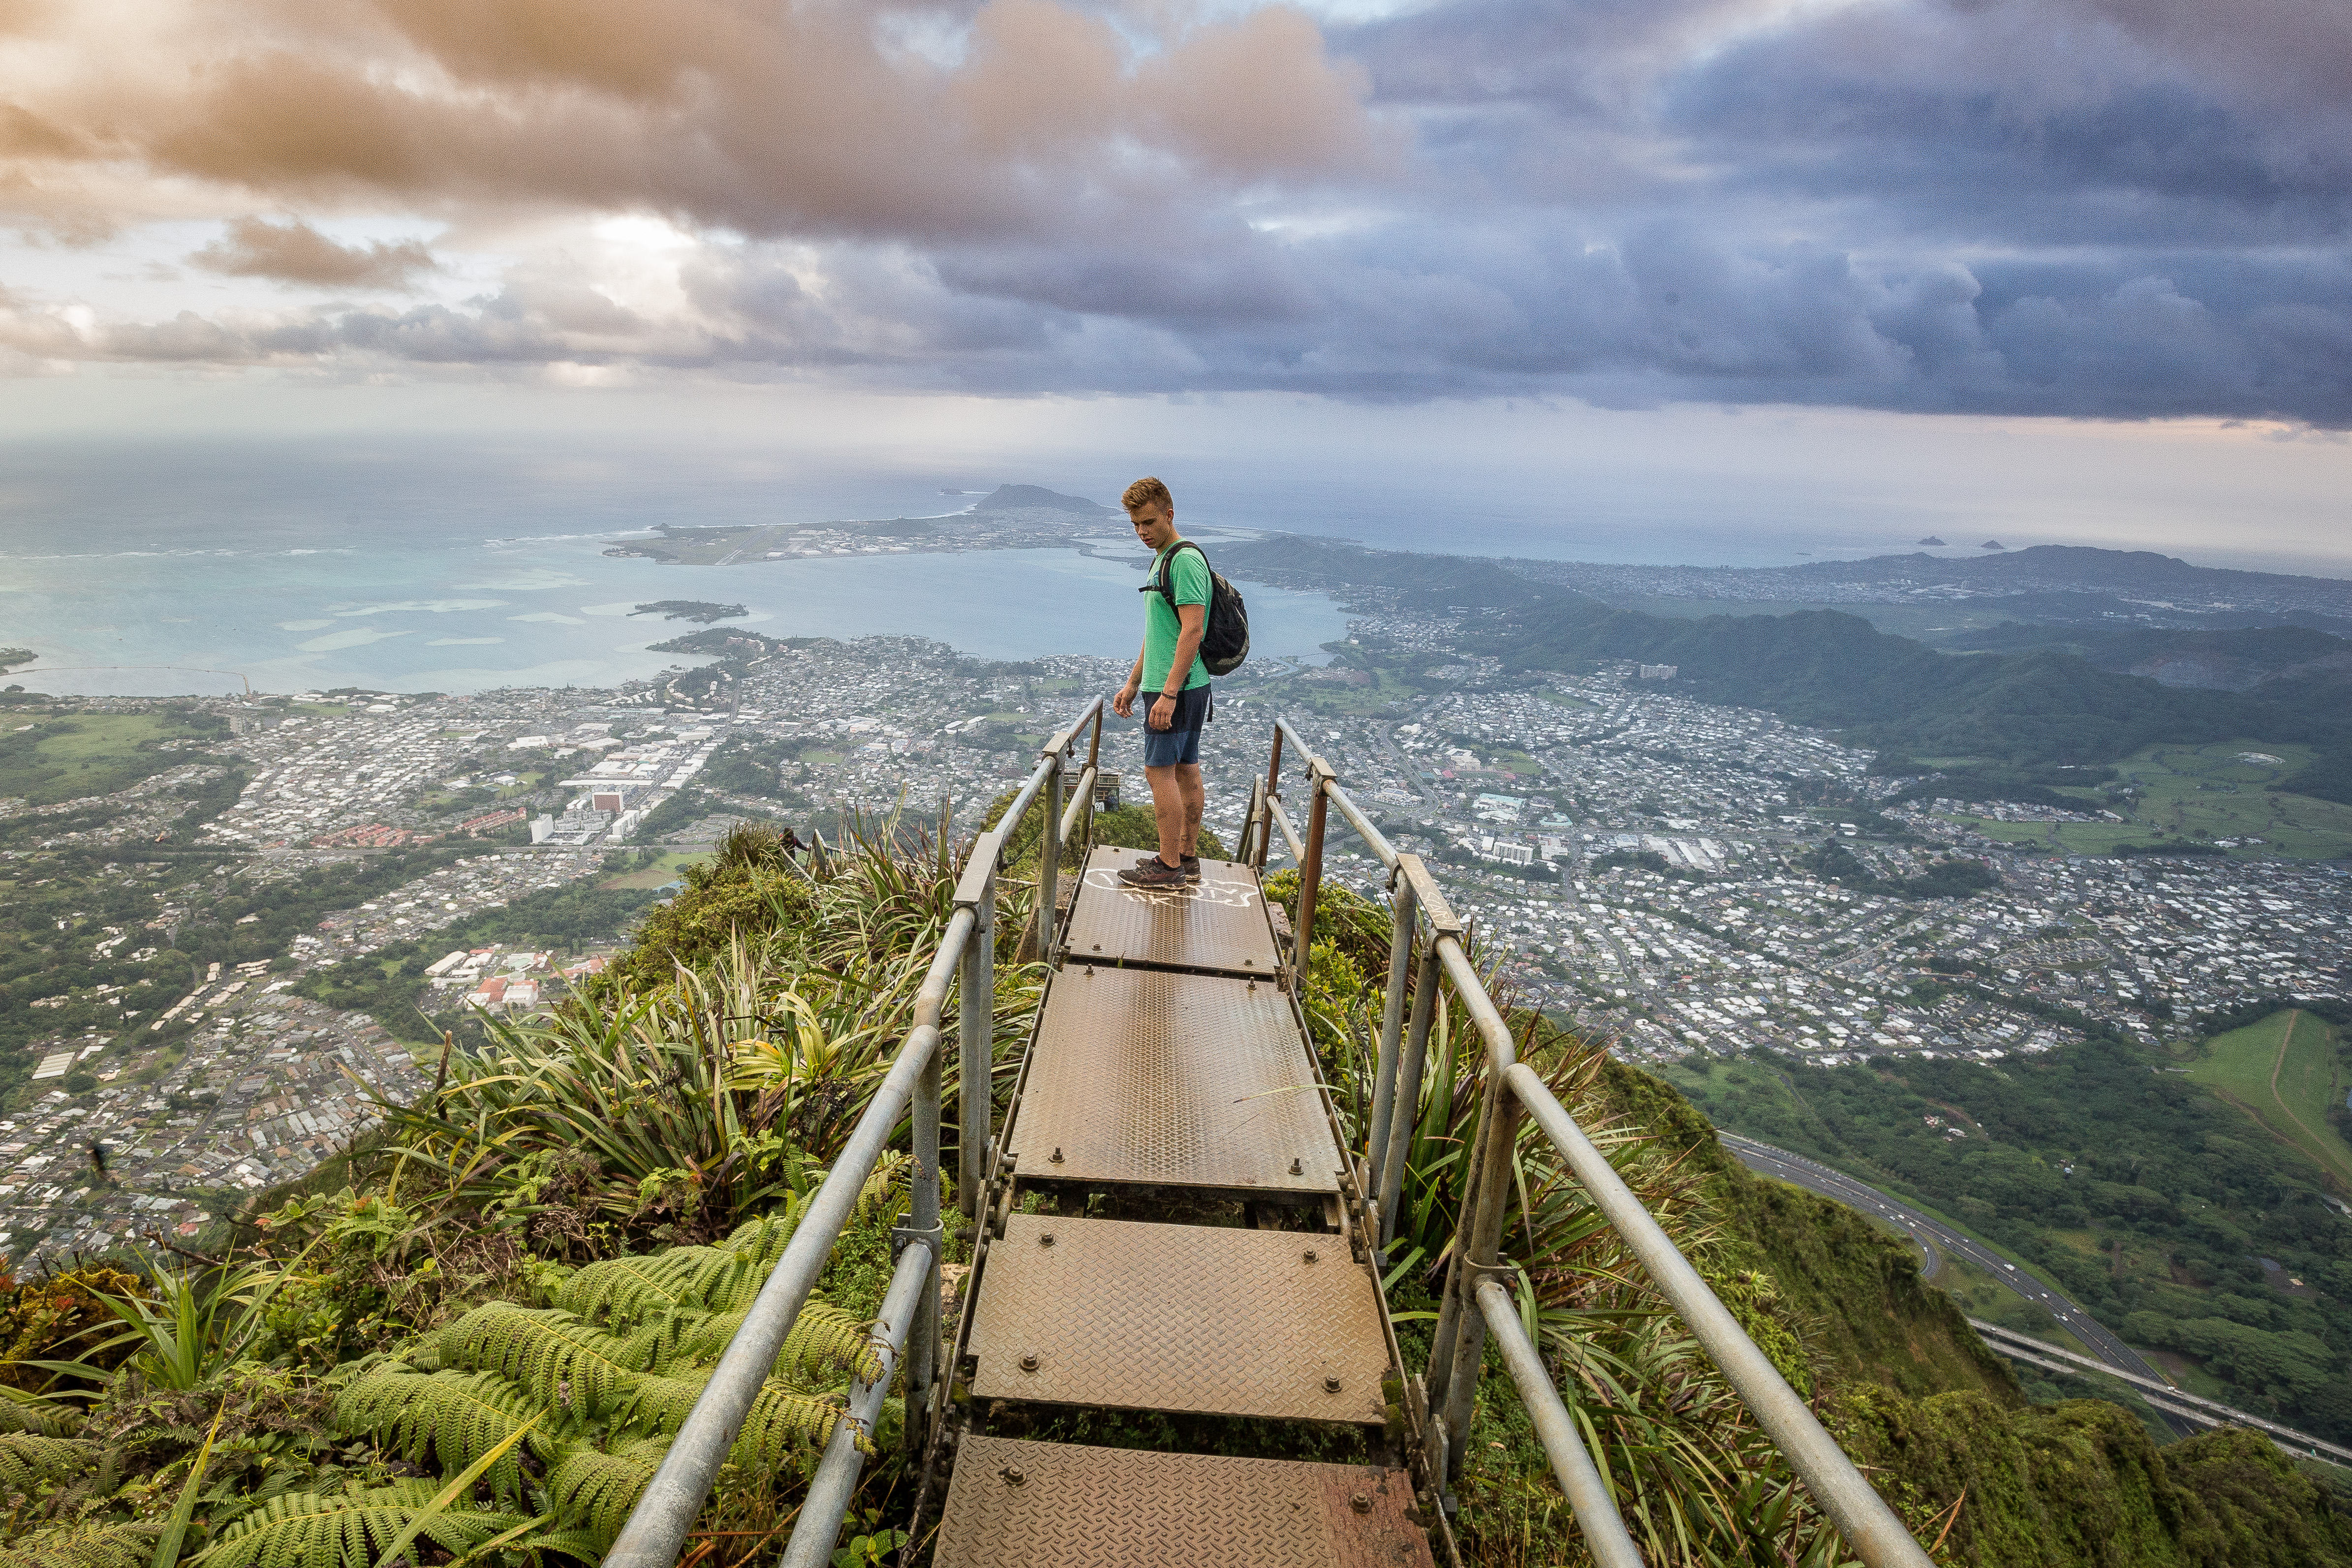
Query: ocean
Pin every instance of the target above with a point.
(399, 562)
(181, 572)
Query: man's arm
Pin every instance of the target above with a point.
(1192, 620)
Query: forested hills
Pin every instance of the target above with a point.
(2042, 698)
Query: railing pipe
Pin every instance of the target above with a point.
(1049, 857)
(1310, 868)
(1502, 1052)
(1289, 833)
(1588, 1495)
(923, 1216)
(1274, 763)
(1405, 1113)
(1871, 1529)
(658, 1526)
(1449, 1297)
(1480, 1244)
(976, 1046)
(1081, 806)
(1384, 1070)
(835, 1484)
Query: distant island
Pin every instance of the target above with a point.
(1993, 544)
(695, 610)
(1011, 517)
(1933, 541)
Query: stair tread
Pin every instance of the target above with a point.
(1146, 1077)
(1018, 1504)
(1182, 1318)
(1217, 924)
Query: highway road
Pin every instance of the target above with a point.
(1931, 1235)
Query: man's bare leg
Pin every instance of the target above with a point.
(1168, 808)
(1188, 780)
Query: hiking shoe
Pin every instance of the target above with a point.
(1153, 871)
(1192, 868)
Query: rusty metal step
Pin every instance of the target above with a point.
(1197, 1319)
(1015, 1504)
(1216, 925)
(1148, 1078)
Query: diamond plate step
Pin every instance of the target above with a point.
(1158, 1079)
(1188, 1318)
(1015, 1504)
(1218, 924)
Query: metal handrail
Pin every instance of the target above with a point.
(835, 1481)
(1427, 949)
(658, 1526)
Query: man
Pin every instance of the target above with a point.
(1170, 667)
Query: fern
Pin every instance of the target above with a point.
(723, 1277)
(599, 1489)
(350, 1530)
(880, 1190)
(824, 1341)
(566, 1364)
(23, 1412)
(26, 1460)
(782, 1421)
(456, 1417)
(85, 1546)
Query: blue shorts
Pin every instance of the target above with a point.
(1180, 743)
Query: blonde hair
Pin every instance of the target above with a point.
(1147, 492)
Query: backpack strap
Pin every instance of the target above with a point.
(1168, 570)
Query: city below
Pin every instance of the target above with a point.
(1675, 877)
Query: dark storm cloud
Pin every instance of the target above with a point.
(2107, 208)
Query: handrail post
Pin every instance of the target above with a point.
(923, 1218)
(1310, 871)
(1473, 1262)
(1384, 1072)
(1274, 763)
(976, 1044)
(1049, 857)
(1405, 1113)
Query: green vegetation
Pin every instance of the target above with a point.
(1956, 877)
(56, 757)
(95, 939)
(486, 1342)
(652, 869)
(2140, 1194)
(2288, 1073)
(2178, 799)
(390, 984)
(2035, 706)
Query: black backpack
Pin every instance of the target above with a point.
(1224, 629)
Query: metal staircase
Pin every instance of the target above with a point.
(1174, 1325)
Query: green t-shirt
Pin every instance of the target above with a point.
(1189, 576)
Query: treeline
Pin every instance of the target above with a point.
(1957, 877)
(2177, 1201)
(2037, 706)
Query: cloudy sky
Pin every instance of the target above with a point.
(1946, 212)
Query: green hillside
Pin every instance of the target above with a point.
(2288, 1073)
(461, 1339)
